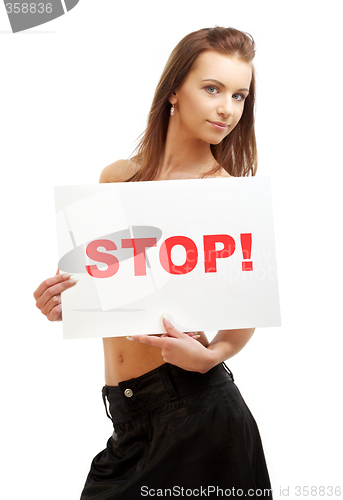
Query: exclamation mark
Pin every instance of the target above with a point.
(246, 241)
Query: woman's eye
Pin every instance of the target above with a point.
(212, 90)
(239, 97)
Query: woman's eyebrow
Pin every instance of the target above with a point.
(220, 83)
(214, 80)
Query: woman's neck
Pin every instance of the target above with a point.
(184, 157)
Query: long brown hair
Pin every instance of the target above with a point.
(237, 152)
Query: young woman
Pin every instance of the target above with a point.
(181, 426)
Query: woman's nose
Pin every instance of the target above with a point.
(225, 108)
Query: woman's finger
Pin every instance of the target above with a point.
(171, 329)
(193, 335)
(55, 314)
(58, 278)
(148, 339)
(54, 301)
(55, 289)
(48, 295)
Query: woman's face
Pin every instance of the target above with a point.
(210, 102)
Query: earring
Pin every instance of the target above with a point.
(172, 109)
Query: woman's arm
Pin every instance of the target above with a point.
(227, 343)
(184, 351)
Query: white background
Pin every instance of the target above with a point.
(75, 94)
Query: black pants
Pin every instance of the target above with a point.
(179, 434)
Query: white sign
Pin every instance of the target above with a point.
(201, 250)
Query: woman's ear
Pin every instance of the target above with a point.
(172, 98)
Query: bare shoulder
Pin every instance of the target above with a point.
(119, 171)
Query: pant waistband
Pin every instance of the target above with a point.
(157, 387)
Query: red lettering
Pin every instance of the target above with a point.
(246, 242)
(211, 254)
(165, 255)
(109, 259)
(139, 245)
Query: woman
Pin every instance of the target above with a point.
(180, 421)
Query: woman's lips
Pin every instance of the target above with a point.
(219, 125)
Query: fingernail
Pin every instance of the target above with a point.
(67, 275)
(171, 321)
(196, 336)
(73, 280)
(166, 317)
(130, 338)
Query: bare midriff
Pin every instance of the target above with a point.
(125, 359)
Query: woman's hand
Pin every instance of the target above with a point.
(182, 349)
(48, 295)
(179, 349)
